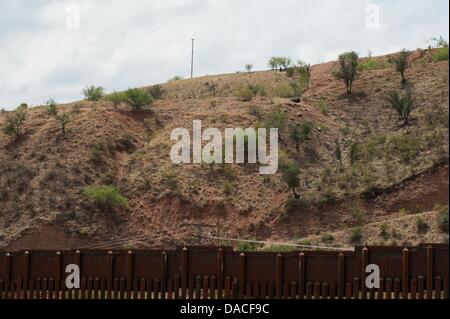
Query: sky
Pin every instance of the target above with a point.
(53, 49)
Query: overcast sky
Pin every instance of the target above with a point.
(55, 48)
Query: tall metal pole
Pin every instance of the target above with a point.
(192, 59)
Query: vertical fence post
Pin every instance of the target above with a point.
(279, 276)
(129, 273)
(301, 275)
(57, 274)
(429, 278)
(163, 274)
(184, 272)
(405, 273)
(109, 274)
(7, 274)
(241, 275)
(219, 274)
(341, 276)
(26, 272)
(364, 263)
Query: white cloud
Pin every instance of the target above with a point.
(133, 43)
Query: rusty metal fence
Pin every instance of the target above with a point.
(214, 273)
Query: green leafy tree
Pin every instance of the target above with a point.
(290, 175)
(304, 71)
(401, 63)
(300, 134)
(402, 103)
(348, 69)
(93, 93)
(138, 99)
(51, 105)
(249, 67)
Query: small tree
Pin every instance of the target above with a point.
(401, 63)
(348, 69)
(354, 153)
(138, 99)
(274, 63)
(63, 119)
(338, 151)
(249, 67)
(300, 134)
(93, 93)
(116, 98)
(402, 103)
(290, 176)
(304, 70)
(105, 197)
(13, 124)
(51, 107)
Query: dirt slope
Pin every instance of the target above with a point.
(400, 168)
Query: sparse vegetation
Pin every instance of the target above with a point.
(63, 119)
(348, 69)
(300, 134)
(51, 107)
(402, 103)
(93, 93)
(327, 239)
(443, 219)
(138, 99)
(156, 91)
(176, 78)
(291, 177)
(13, 124)
(356, 235)
(116, 98)
(249, 67)
(105, 197)
(284, 90)
(277, 119)
(401, 63)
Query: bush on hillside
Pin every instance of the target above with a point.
(13, 123)
(93, 93)
(105, 197)
(402, 103)
(347, 69)
(137, 99)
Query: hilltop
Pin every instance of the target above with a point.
(399, 169)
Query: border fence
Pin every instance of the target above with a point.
(419, 272)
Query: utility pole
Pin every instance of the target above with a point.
(192, 59)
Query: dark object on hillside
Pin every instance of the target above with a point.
(296, 99)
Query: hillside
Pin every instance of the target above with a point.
(399, 168)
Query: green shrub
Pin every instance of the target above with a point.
(373, 64)
(323, 107)
(50, 105)
(176, 78)
(441, 54)
(245, 94)
(443, 220)
(356, 235)
(93, 93)
(227, 188)
(276, 119)
(257, 90)
(116, 98)
(249, 67)
(138, 99)
(247, 246)
(358, 217)
(401, 63)
(403, 104)
(327, 239)
(291, 177)
(63, 120)
(156, 91)
(300, 134)
(284, 90)
(105, 197)
(384, 231)
(347, 69)
(406, 147)
(13, 123)
(422, 226)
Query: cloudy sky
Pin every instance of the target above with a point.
(55, 48)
